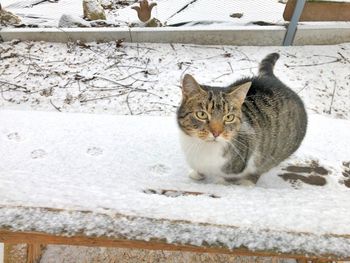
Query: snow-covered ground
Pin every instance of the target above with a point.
(224, 12)
(143, 79)
(128, 176)
(122, 78)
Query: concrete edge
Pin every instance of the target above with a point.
(245, 36)
(322, 35)
(255, 36)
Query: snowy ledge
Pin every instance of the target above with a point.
(247, 36)
(123, 178)
(107, 229)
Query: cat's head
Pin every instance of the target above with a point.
(211, 113)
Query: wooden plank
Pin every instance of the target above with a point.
(43, 238)
(319, 11)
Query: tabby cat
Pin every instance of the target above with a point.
(234, 134)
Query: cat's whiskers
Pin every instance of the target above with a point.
(241, 143)
(236, 151)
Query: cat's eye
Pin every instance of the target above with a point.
(229, 118)
(201, 115)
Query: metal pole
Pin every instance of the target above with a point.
(293, 24)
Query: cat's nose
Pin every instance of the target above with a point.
(216, 133)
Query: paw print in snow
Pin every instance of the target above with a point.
(14, 136)
(38, 154)
(311, 174)
(94, 151)
(346, 174)
(159, 169)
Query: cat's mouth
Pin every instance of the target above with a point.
(213, 139)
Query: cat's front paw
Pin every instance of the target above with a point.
(196, 176)
(245, 182)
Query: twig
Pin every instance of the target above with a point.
(135, 90)
(229, 63)
(143, 80)
(113, 81)
(148, 111)
(105, 97)
(181, 9)
(2, 95)
(16, 85)
(246, 58)
(57, 108)
(183, 72)
(346, 59)
(330, 107)
(162, 103)
(306, 85)
(135, 73)
(316, 64)
(127, 66)
(225, 74)
(127, 103)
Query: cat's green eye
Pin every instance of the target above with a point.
(201, 115)
(229, 118)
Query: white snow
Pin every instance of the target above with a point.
(145, 78)
(72, 21)
(44, 14)
(104, 163)
(207, 13)
(167, 11)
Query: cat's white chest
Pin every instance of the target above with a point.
(203, 157)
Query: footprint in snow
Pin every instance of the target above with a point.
(38, 154)
(159, 169)
(311, 174)
(94, 151)
(346, 174)
(14, 136)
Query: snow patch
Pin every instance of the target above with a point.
(107, 196)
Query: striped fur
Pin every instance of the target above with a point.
(269, 125)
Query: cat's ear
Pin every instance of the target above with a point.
(240, 92)
(189, 86)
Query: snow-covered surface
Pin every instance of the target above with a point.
(144, 78)
(106, 164)
(45, 13)
(167, 11)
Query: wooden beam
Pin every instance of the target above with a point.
(319, 11)
(43, 238)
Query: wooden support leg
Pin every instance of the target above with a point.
(34, 252)
(23, 253)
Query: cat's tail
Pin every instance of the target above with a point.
(267, 64)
